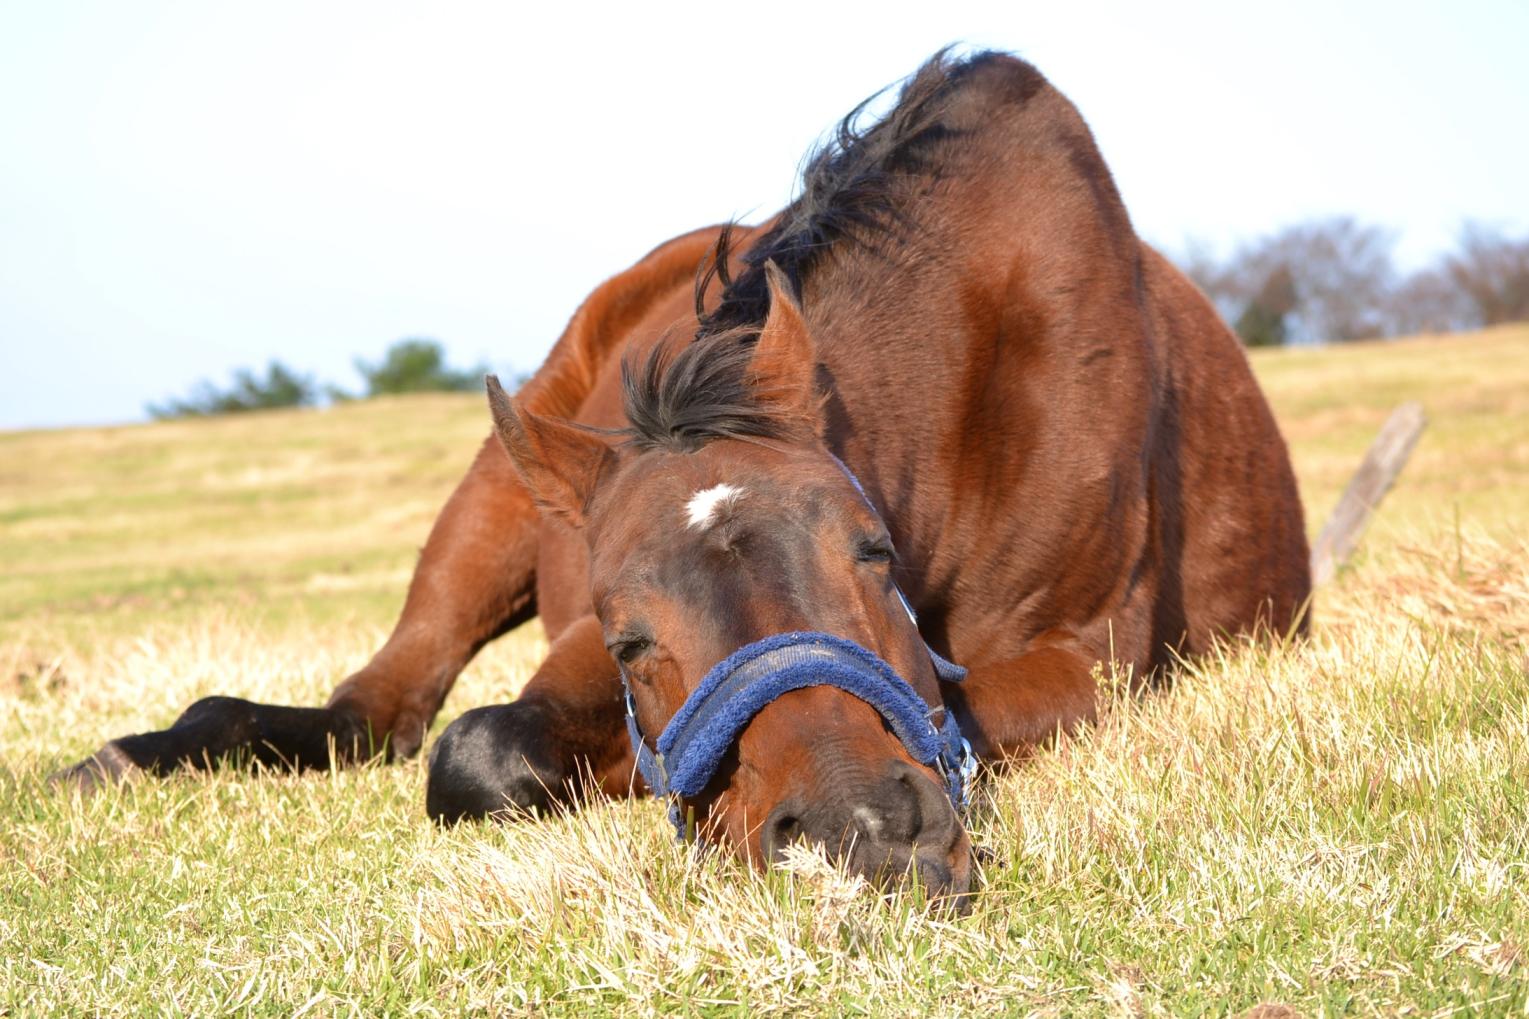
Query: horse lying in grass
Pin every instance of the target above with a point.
(945, 407)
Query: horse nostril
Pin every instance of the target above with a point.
(896, 811)
(782, 829)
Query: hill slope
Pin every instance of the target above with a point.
(1343, 826)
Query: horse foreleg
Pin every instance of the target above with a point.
(565, 730)
(1010, 707)
(475, 579)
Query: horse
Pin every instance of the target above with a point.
(945, 407)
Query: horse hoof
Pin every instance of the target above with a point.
(106, 766)
(492, 761)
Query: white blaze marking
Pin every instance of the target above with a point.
(703, 506)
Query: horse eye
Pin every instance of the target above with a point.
(626, 649)
(874, 550)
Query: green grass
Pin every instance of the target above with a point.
(1342, 827)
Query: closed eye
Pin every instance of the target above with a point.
(626, 648)
(874, 550)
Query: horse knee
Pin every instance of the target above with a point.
(231, 720)
(493, 760)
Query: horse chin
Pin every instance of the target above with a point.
(944, 876)
(948, 880)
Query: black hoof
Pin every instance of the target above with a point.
(106, 766)
(494, 760)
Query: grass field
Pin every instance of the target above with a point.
(1341, 827)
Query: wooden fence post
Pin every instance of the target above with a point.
(1387, 456)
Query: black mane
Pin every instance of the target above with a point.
(849, 189)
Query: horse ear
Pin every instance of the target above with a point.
(784, 368)
(559, 462)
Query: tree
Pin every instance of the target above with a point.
(416, 366)
(1428, 301)
(1339, 270)
(1324, 279)
(1263, 322)
(281, 387)
(1493, 273)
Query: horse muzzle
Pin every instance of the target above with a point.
(898, 824)
(736, 689)
(906, 821)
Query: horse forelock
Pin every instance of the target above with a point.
(678, 402)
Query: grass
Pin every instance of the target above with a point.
(1341, 827)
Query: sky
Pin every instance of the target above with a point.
(188, 188)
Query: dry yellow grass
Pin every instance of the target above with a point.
(1341, 826)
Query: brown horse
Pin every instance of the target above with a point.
(1065, 460)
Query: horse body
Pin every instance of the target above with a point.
(1065, 441)
(1052, 427)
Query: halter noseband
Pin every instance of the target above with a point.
(737, 688)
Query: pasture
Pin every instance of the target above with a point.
(1341, 826)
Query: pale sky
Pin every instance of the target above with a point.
(186, 188)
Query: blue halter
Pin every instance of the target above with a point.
(737, 688)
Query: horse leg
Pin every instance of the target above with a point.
(1010, 707)
(535, 754)
(475, 580)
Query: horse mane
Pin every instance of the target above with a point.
(849, 190)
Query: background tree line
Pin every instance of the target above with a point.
(1334, 280)
(409, 366)
(1324, 280)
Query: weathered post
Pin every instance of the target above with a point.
(1387, 456)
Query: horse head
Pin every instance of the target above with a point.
(721, 521)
